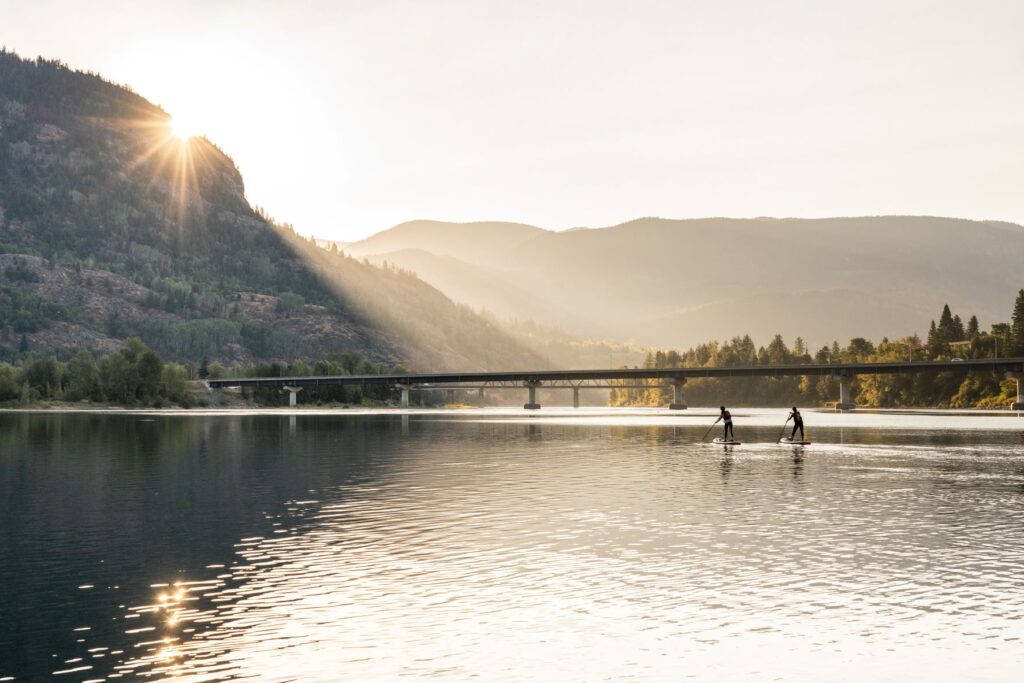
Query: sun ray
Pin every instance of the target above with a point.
(169, 162)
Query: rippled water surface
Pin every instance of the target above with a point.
(561, 546)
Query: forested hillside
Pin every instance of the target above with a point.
(111, 227)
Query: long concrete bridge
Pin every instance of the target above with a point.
(628, 378)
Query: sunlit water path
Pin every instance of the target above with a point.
(560, 546)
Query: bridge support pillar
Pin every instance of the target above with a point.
(406, 388)
(532, 403)
(575, 397)
(845, 398)
(677, 394)
(293, 395)
(1019, 403)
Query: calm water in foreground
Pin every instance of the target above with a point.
(576, 546)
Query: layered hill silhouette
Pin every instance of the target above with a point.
(680, 282)
(111, 227)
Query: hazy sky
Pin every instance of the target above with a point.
(348, 117)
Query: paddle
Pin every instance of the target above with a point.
(709, 430)
(783, 429)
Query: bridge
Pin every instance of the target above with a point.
(627, 378)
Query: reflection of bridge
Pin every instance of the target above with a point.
(627, 378)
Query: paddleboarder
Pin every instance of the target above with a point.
(727, 416)
(798, 423)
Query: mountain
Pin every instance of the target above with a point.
(472, 242)
(111, 227)
(681, 282)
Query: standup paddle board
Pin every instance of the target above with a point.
(790, 442)
(722, 442)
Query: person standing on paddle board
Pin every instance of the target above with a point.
(727, 416)
(798, 423)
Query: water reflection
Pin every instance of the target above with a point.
(372, 547)
(725, 464)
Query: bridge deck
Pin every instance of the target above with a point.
(669, 375)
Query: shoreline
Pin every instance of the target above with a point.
(513, 411)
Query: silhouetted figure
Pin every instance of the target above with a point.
(729, 435)
(798, 423)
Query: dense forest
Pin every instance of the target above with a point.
(135, 376)
(111, 228)
(948, 338)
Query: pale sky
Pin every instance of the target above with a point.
(349, 117)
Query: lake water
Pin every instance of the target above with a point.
(574, 545)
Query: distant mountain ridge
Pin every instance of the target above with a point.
(679, 282)
(472, 241)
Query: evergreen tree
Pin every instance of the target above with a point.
(934, 345)
(799, 347)
(1000, 339)
(777, 352)
(972, 327)
(822, 356)
(204, 368)
(1017, 326)
(23, 344)
(946, 329)
(958, 329)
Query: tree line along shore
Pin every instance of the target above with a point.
(948, 338)
(135, 376)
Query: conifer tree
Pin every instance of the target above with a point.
(933, 340)
(800, 347)
(972, 327)
(1017, 326)
(945, 328)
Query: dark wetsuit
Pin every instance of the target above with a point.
(798, 423)
(729, 435)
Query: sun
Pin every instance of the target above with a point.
(184, 128)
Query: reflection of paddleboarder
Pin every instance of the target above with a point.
(798, 462)
(727, 416)
(798, 423)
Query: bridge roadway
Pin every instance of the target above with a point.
(628, 377)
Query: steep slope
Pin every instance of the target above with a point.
(487, 287)
(110, 227)
(679, 282)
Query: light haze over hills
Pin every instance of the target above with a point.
(681, 282)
